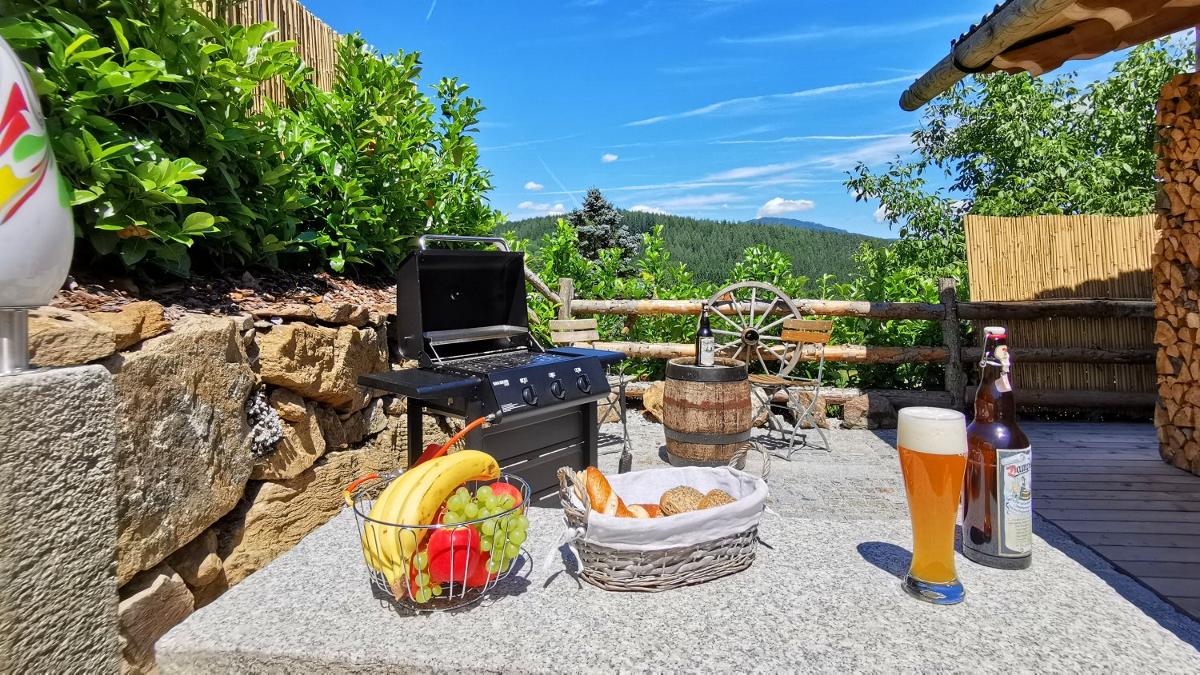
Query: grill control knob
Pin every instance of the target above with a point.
(584, 384)
(528, 394)
(556, 388)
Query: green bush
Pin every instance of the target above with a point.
(147, 103)
(150, 107)
(374, 159)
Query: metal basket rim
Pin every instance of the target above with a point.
(507, 477)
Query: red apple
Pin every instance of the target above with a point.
(500, 489)
(453, 553)
(479, 575)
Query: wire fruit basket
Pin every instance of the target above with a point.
(472, 544)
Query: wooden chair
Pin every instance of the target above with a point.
(582, 333)
(807, 335)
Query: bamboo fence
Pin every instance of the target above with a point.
(1063, 257)
(316, 42)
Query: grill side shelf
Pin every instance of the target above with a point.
(420, 383)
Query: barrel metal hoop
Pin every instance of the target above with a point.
(683, 369)
(707, 439)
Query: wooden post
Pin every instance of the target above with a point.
(566, 294)
(956, 377)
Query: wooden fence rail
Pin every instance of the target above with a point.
(949, 312)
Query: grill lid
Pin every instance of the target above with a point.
(454, 303)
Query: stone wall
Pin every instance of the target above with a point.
(1176, 274)
(207, 494)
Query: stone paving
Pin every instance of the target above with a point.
(858, 480)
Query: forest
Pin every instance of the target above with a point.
(710, 248)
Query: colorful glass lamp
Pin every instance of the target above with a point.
(36, 231)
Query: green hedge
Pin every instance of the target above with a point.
(149, 105)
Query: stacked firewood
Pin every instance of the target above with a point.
(1176, 273)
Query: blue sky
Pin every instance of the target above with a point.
(723, 109)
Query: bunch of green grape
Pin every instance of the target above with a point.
(500, 538)
(425, 588)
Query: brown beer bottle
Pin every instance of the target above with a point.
(997, 523)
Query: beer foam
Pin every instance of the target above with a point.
(938, 431)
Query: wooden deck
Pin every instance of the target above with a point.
(1105, 485)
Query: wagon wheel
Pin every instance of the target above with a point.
(748, 326)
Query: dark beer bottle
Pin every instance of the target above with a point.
(997, 500)
(706, 344)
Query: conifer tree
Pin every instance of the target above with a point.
(598, 225)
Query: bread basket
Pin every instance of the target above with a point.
(659, 554)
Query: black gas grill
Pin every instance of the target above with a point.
(462, 316)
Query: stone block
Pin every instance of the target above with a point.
(868, 411)
(320, 363)
(197, 562)
(59, 337)
(184, 452)
(134, 322)
(58, 609)
(153, 603)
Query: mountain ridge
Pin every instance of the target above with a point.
(711, 248)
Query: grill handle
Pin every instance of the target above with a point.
(423, 242)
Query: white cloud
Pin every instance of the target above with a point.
(743, 172)
(543, 209)
(881, 214)
(533, 186)
(800, 139)
(867, 153)
(644, 208)
(608, 157)
(779, 206)
(750, 101)
(861, 31)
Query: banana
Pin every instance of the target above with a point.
(376, 537)
(432, 489)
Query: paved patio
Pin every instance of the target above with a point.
(823, 594)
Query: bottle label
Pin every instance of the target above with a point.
(708, 348)
(1015, 484)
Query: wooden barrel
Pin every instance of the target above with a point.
(706, 411)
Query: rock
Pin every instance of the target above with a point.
(59, 337)
(134, 322)
(184, 452)
(197, 562)
(817, 412)
(214, 590)
(395, 406)
(303, 443)
(341, 431)
(152, 604)
(868, 411)
(652, 401)
(322, 363)
(341, 313)
(289, 405)
(376, 416)
(276, 515)
(291, 310)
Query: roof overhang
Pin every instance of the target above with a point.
(1037, 36)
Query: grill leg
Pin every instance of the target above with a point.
(416, 430)
(591, 434)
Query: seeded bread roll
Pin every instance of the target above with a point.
(715, 498)
(679, 500)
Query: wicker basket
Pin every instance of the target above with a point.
(615, 569)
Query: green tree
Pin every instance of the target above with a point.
(599, 227)
(1015, 145)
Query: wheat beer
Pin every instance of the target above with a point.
(932, 444)
(998, 497)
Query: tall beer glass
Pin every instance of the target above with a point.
(933, 458)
